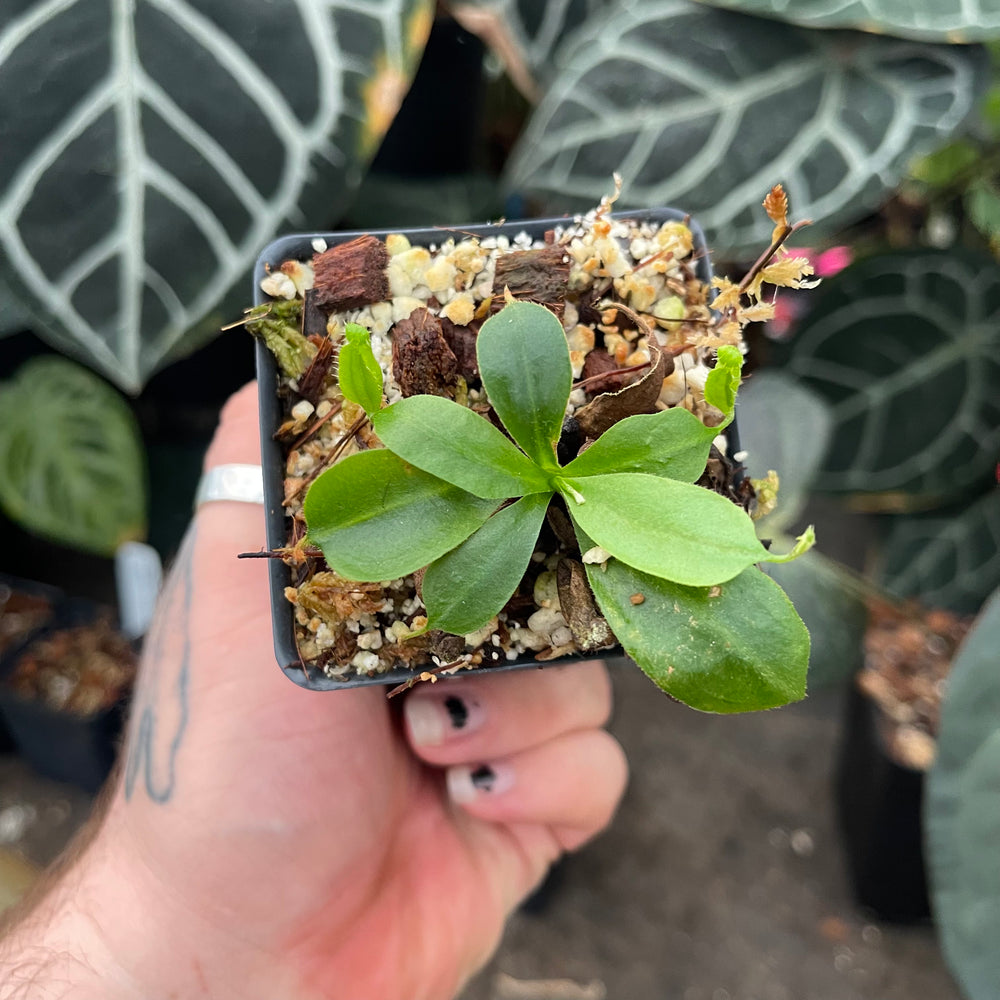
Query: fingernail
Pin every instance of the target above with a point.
(465, 784)
(433, 719)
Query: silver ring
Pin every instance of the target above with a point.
(243, 483)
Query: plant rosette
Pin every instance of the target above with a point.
(502, 451)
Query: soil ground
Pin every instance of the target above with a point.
(722, 877)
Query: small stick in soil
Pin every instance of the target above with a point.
(335, 409)
(250, 315)
(424, 675)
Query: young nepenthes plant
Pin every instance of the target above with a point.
(671, 564)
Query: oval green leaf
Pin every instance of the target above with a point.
(670, 529)
(524, 364)
(467, 586)
(358, 373)
(72, 466)
(673, 444)
(737, 647)
(378, 518)
(451, 442)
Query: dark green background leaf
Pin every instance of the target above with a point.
(783, 426)
(950, 559)
(962, 812)
(706, 109)
(467, 586)
(71, 458)
(151, 149)
(377, 518)
(931, 20)
(906, 349)
(740, 651)
(524, 363)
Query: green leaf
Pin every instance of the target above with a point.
(962, 812)
(784, 426)
(905, 347)
(524, 364)
(467, 586)
(738, 647)
(982, 202)
(166, 143)
(377, 518)
(72, 466)
(673, 443)
(279, 326)
(453, 443)
(359, 374)
(723, 381)
(949, 559)
(675, 530)
(645, 91)
(832, 605)
(947, 165)
(929, 20)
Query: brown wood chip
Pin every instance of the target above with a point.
(422, 361)
(588, 625)
(351, 275)
(462, 341)
(538, 275)
(607, 409)
(311, 383)
(313, 318)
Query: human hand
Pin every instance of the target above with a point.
(270, 841)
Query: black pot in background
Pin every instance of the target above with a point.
(64, 746)
(879, 805)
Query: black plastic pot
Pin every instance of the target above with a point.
(64, 746)
(299, 247)
(879, 805)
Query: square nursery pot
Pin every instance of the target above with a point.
(76, 742)
(879, 804)
(272, 413)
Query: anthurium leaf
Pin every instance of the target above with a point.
(673, 443)
(453, 443)
(736, 647)
(948, 559)
(982, 203)
(723, 380)
(905, 347)
(643, 90)
(962, 811)
(671, 529)
(377, 518)
(524, 364)
(832, 604)
(165, 143)
(467, 586)
(358, 372)
(784, 426)
(72, 466)
(929, 20)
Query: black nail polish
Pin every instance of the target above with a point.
(457, 711)
(483, 778)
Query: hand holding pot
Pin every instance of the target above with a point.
(267, 841)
